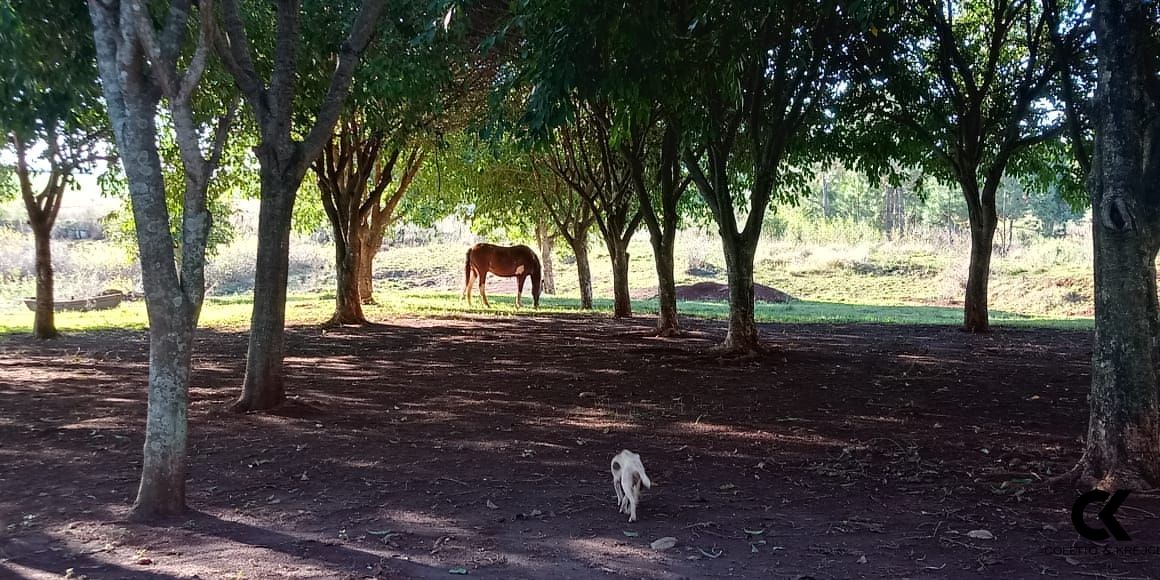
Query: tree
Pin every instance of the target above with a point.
(353, 173)
(1052, 211)
(581, 56)
(586, 157)
(659, 190)
(1011, 204)
(50, 110)
(1123, 439)
(138, 65)
(760, 76)
(573, 219)
(413, 89)
(963, 90)
(285, 151)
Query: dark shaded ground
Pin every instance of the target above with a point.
(427, 445)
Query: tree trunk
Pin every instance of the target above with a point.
(171, 315)
(742, 335)
(263, 386)
(621, 300)
(348, 267)
(366, 272)
(547, 244)
(163, 471)
(667, 321)
(44, 325)
(825, 196)
(42, 211)
(975, 311)
(583, 270)
(660, 214)
(174, 287)
(1123, 440)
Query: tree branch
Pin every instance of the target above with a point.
(234, 49)
(200, 59)
(362, 31)
(147, 37)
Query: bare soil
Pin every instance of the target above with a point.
(425, 448)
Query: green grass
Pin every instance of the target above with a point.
(1041, 283)
(233, 313)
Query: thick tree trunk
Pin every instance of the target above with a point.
(667, 322)
(621, 300)
(263, 386)
(172, 317)
(284, 153)
(348, 267)
(742, 336)
(975, 310)
(163, 471)
(44, 325)
(583, 271)
(1123, 441)
(174, 287)
(547, 245)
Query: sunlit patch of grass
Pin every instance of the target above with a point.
(233, 313)
(128, 316)
(805, 312)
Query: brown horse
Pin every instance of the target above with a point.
(518, 261)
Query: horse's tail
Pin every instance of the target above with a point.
(537, 279)
(467, 273)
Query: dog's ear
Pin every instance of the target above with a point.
(616, 466)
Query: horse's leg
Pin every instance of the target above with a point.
(482, 283)
(467, 288)
(520, 288)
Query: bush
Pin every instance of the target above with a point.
(704, 255)
(81, 268)
(231, 271)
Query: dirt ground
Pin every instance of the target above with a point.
(428, 448)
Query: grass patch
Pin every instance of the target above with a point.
(1045, 282)
(233, 312)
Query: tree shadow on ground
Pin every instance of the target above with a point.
(484, 444)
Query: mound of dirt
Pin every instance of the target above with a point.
(718, 292)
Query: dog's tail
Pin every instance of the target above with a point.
(644, 479)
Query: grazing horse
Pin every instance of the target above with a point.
(518, 261)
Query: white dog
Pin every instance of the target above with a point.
(627, 476)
